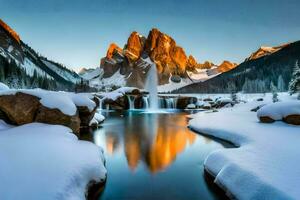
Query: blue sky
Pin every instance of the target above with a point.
(78, 32)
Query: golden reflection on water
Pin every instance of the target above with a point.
(155, 140)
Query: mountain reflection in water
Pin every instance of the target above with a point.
(155, 140)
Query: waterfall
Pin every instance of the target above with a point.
(100, 104)
(131, 99)
(170, 103)
(151, 87)
(145, 102)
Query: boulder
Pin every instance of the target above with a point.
(22, 108)
(266, 119)
(55, 116)
(292, 119)
(19, 108)
(182, 102)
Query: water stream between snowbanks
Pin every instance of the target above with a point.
(154, 156)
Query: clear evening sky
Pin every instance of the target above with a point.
(78, 32)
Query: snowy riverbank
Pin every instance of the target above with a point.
(265, 165)
(40, 161)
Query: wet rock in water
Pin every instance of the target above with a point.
(55, 116)
(19, 108)
(292, 119)
(121, 103)
(266, 119)
(182, 102)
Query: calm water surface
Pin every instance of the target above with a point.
(153, 156)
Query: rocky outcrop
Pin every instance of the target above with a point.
(22, 108)
(264, 51)
(134, 47)
(112, 49)
(10, 31)
(226, 66)
(182, 102)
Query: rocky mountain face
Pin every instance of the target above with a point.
(264, 51)
(133, 61)
(255, 74)
(23, 67)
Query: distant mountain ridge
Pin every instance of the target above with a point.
(23, 67)
(255, 74)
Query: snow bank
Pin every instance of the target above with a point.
(66, 102)
(3, 87)
(265, 165)
(279, 110)
(40, 161)
(114, 95)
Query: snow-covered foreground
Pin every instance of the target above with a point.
(266, 164)
(40, 161)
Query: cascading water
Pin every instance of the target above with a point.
(131, 99)
(151, 87)
(145, 102)
(170, 103)
(100, 104)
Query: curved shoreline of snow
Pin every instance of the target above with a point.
(265, 166)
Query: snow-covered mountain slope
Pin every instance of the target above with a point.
(66, 74)
(23, 67)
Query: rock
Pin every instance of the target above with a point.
(182, 102)
(134, 47)
(260, 99)
(121, 103)
(176, 79)
(292, 119)
(23, 108)
(20, 108)
(205, 65)
(257, 108)
(226, 66)
(266, 119)
(191, 63)
(113, 48)
(55, 116)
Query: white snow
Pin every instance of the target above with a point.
(3, 87)
(61, 72)
(173, 86)
(30, 68)
(48, 162)
(279, 110)
(95, 73)
(266, 163)
(97, 119)
(66, 102)
(114, 95)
